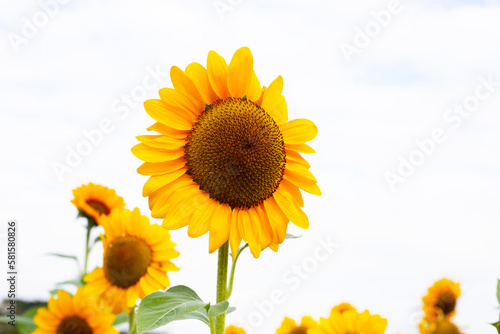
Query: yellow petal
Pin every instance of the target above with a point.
(159, 198)
(159, 111)
(274, 103)
(217, 74)
(303, 183)
(160, 168)
(250, 235)
(298, 131)
(151, 154)
(303, 148)
(198, 74)
(295, 156)
(277, 219)
(168, 131)
(186, 86)
(180, 208)
(291, 209)
(131, 296)
(219, 227)
(200, 220)
(239, 73)
(180, 104)
(235, 237)
(254, 91)
(293, 190)
(160, 141)
(157, 181)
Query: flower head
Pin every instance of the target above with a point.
(350, 322)
(438, 327)
(342, 307)
(73, 314)
(95, 201)
(234, 330)
(137, 257)
(441, 300)
(226, 160)
(289, 326)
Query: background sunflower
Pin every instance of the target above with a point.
(137, 256)
(73, 314)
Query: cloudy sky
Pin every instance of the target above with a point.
(405, 95)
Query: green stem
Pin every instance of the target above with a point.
(212, 325)
(233, 268)
(87, 249)
(222, 285)
(132, 328)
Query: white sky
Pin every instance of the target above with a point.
(443, 221)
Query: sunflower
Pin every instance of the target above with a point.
(350, 322)
(342, 307)
(226, 160)
(234, 330)
(137, 256)
(73, 314)
(289, 326)
(438, 327)
(94, 201)
(441, 300)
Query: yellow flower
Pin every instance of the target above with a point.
(73, 314)
(441, 300)
(289, 326)
(438, 327)
(94, 201)
(137, 256)
(342, 307)
(350, 322)
(226, 160)
(234, 330)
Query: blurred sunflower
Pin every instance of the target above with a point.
(350, 322)
(137, 257)
(234, 330)
(438, 327)
(342, 307)
(289, 326)
(73, 314)
(94, 201)
(441, 299)
(227, 159)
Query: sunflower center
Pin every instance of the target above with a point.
(236, 153)
(73, 325)
(127, 259)
(446, 302)
(299, 330)
(98, 206)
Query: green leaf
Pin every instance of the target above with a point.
(25, 322)
(177, 303)
(497, 326)
(498, 291)
(74, 282)
(291, 236)
(217, 309)
(230, 309)
(72, 257)
(120, 319)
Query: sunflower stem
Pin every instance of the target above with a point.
(132, 328)
(212, 325)
(222, 285)
(233, 268)
(87, 249)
